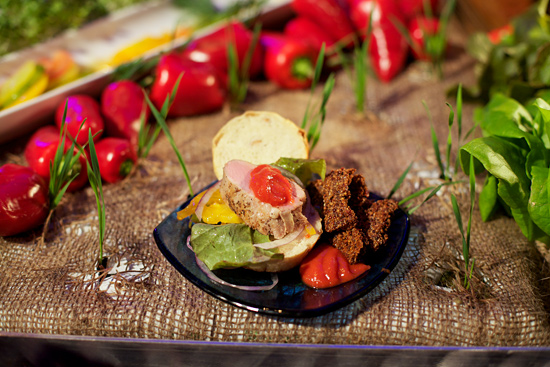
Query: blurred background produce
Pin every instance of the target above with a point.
(32, 21)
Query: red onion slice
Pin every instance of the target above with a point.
(215, 278)
(280, 242)
(202, 202)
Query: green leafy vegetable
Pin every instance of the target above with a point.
(229, 245)
(515, 151)
(519, 65)
(306, 170)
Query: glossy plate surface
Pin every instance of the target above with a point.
(290, 297)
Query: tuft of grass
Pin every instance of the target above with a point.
(314, 121)
(160, 117)
(94, 176)
(62, 168)
(468, 268)
(445, 167)
(358, 68)
(239, 77)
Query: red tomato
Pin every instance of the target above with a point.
(40, 151)
(115, 157)
(24, 199)
(200, 90)
(122, 105)
(80, 109)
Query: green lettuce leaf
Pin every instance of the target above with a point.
(488, 198)
(229, 245)
(539, 207)
(505, 161)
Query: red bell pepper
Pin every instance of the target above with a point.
(116, 157)
(330, 16)
(419, 28)
(413, 8)
(24, 199)
(40, 151)
(289, 63)
(200, 90)
(212, 48)
(80, 107)
(308, 31)
(388, 48)
(498, 34)
(122, 105)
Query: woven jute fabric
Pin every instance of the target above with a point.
(45, 289)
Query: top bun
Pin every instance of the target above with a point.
(258, 137)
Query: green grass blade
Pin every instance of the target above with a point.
(162, 123)
(459, 111)
(318, 68)
(315, 81)
(435, 141)
(428, 197)
(472, 203)
(314, 132)
(94, 176)
(449, 143)
(400, 181)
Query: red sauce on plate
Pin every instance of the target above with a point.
(270, 186)
(326, 267)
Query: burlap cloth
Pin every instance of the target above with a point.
(44, 290)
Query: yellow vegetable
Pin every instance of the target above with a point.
(34, 90)
(190, 209)
(215, 211)
(137, 49)
(27, 81)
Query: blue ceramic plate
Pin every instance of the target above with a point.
(290, 297)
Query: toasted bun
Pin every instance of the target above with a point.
(258, 137)
(295, 251)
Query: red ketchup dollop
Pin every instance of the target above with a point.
(326, 267)
(270, 186)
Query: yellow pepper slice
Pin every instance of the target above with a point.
(24, 78)
(215, 211)
(138, 48)
(36, 89)
(190, 209)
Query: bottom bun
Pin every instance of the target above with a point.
(295, 251)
